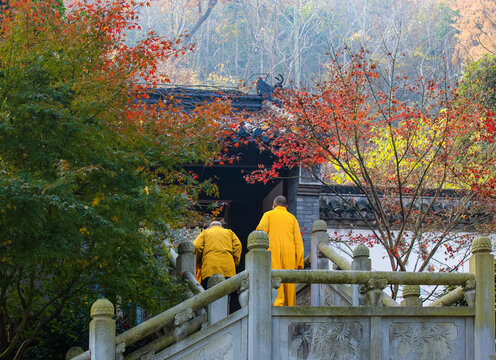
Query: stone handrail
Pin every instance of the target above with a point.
(161, 320)
(363, 277)
(343, 264)
(450, 298)
(197, 302)
(388, 300)
(307, 261)
(321, 241)
(193, 283)
(167, 340)
(332, 255)
(173, 257)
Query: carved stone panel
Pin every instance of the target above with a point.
(219, 349)
(303, 297)
(332, 297)
(330, 341)
(424, 341)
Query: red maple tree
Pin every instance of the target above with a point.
(422, 154)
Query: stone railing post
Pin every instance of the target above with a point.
(481, 264)
(181, 324)
(259, 297)
(361, 262)
(374, 293)
(217, 310)
(102, 331)
(186, 260)
(319, 234)
(411, 296)
(244, 293)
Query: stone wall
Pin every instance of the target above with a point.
(371, 334)
(224, 340)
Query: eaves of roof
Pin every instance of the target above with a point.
(188, 98)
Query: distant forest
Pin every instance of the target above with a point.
(237, 41)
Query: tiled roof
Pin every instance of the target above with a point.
(351, 205)
(188, 97)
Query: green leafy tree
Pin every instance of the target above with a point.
(479, 81)
(90, 176)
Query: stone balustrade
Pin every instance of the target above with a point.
(320, 248)
(363, 277)
(199, 301)
(267, 331)
(157, 322)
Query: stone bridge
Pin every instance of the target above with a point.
(343, 314)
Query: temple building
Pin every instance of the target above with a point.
(244, 203)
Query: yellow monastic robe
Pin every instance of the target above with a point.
(286, 247)
(218, 250)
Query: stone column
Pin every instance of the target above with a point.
(361, 262)
(73, 352)
(186, 260)
(481, 264)
(259, 301)
(102, 331)
(319, 234)
(217, 310)
(411, 296)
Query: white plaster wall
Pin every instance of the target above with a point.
(380, 261)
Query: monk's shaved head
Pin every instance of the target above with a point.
(215, 223)
(280, 201)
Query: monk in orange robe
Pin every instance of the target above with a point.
(218, 251)
(285, 245)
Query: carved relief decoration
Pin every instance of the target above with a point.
(423, 341)
(332, 297)
(303, 297)
(219, 349)
(329, 341)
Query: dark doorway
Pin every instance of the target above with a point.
(244, 203)
(244, 218)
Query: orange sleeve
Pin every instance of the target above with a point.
(264, 223)
(199, 245)
(236, 247)
(298, 244)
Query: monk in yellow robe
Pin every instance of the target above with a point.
(285, 245)
(218, 251)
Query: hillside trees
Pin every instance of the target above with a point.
(478, 80)
(425, 168)
(476, 25)
(90, 176)
(420, 30)
(243, 39)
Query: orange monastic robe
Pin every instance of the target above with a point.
(286, 247)
(218, 251)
